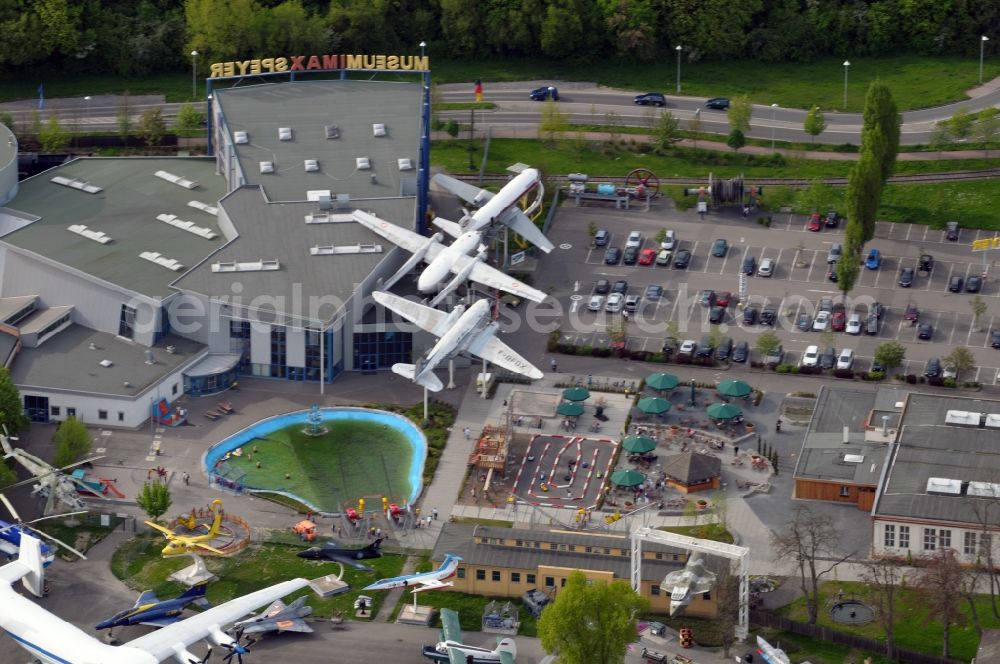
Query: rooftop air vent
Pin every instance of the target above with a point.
(107, 364)
(267, 167)
(285, 133)
(73, 183)
(176, 179)
(942, 486)
(204, 207)
(405, 164)
(378, 129)
(311, 165)
(156, 257)
(332, 131)
(188, 226)
(264, 265)
(241, 137)
(363, 163)
(96, 236)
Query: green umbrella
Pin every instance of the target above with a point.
(654, 405)
(627, 477)
(638, 444)
(570, 409)
(662, 381)
(723, 411)
(576, 394)
(734, 388)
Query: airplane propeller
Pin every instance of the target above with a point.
(236, 650)
(20, 523)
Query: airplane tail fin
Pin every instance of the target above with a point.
(427, 379)
(27, 567)
(506, 645)
(196, 594)
(450, 227)
(377, 544)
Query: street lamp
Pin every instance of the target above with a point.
(678, 49)
(423, 45)
(982, 47)
(774, 107)
(194, 74)
(846, 65)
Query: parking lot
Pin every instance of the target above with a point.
(798, 282)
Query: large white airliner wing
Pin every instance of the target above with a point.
(412, 242)
(488, 347)
(520, 224)
(494, 278)
(426, 318)
(463, 190)
(168, 641)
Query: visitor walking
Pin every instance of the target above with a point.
(186, 478)
(468, 432)
(434, 512)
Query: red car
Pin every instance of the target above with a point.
(839, 321)
(814, 224)
(723, 299)
(912, 313)
(647, 256)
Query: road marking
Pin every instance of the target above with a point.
(725, 259)
(811, 264)
(909, 229)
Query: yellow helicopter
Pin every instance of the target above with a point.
(180, 544)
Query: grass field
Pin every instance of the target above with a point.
(353, 459)
(138, 563)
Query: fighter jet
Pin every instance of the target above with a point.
(149, 610)
(279, 617)
(451, 649)
(331, 551)
(461, 330)
(685, 583)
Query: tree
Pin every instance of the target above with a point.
(666, 132)
(978, 306)
(848, 268)
(154, 499)
(152, 126)
(591, 623)
(810, 540)
(986, 131)
(881, 114)
(53, 137)
(890, 355)
(740, 110)
(12, 415)
(960, 124)
(962, 359)
(7, 475)
(189, 119)
(882, 575)
(124, 116)
(767, 343)
(864, 194)
(554, 123)
(940, 582)
(72, 442)
(815, 122)
(736, 139)
(940, 137)
(727, 599)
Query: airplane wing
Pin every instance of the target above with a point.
(165, 531)
(201, 545)
(427, 318)
(520, 224)
(488, 347)
(450, 627)
(347, 560)
(506, 657)
(456, 656)
(147, 597)
(494, 278)
(412, 242)
(160, 622)
(463, 190)
(449, 227)
(173, 638)
(430, 584)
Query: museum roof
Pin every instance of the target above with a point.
(45, 367)
(279, 232)
(307, 108)
(124, 210)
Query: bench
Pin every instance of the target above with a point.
(654, 656)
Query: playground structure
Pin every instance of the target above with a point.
(641, 185)
(234, 532)
(163, 413)
(720, 193)
(490, 452)
(102, 487)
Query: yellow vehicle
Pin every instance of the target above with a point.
(180, 544)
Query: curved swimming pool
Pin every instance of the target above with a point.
(270, 425)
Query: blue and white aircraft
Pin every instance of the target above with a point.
(150, 610)
(10, 536)
(433, 580)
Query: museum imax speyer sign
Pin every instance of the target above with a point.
(293, 63)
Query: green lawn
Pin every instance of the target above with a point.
(138, 563)
(353, 459)
(709, 531)
(82, 536)
(470, 609)
(913, 630)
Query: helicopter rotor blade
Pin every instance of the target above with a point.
(10, 508)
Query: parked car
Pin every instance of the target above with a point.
(766, 268)
(669, 241)
(647, 256)
(630, 255)
(933, 368)
(664, 256)
(620, 286)
(775, 357)
(614, 303)
(877, 309)
(831, 272)
(828, 358)
(872, 324)
(687, 347)
(651, 99)
(926, 263)
(853, 324)
(876, 366)
(535, 601)
(925, 331)
(768, 315)
(804, 322)
(955, 284)
(810, 357)
(825, 304)
(632, 303)
(906, 277)
(654, 292)
(682, 259)
(750, 316)
(835, 252)
(839, 320)
(995, 339)
(973, 284)
(718, 103)
(741, 351)
(705, 347)
(612, 256)
(670, 345)
(596, 302)
(911, 312)
(725, 349)
(846, 359)
(634, 240)
(814, 224)
(707, 298)
(545, 93)
(874, 259)
(716, 314)
(749, 266)
(601, 238)
(832, 220)
(821, 321)
(724, 298)
(951, 231)
(720, 247)
(602, 287)
(950, 371)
